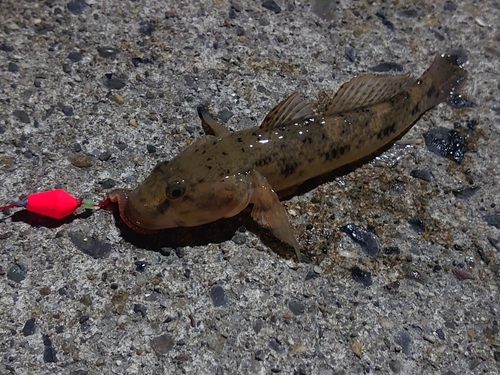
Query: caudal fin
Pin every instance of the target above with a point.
(446, 76)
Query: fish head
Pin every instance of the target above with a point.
(172, 197)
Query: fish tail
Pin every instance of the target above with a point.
(446, 77)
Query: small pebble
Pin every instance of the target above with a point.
(162, 344)
(29, 327)
(13, 67)
(446, 143)
(271, 5)
(67, 110)
(117, 98)
(77, 6)
(17, 272)
(386, 67)
(22, 116)
(91, 246)
(366, 240)
(218, 296)
(81, 161)
(107, 52)
(75, 56)
(403, 339)
(360, 276)
(296, 307)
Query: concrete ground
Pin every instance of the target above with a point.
(93, 94)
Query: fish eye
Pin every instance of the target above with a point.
(176, 190)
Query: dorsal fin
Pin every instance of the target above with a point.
(365, 90)
(292, 109)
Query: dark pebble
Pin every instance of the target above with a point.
(259, 355)
(146, 27)
(37, 83)
(311, 275)
(239, 238)
(13, 67)
(29, 327)
(408, 13)
(275, 370)
(187, 273)
(493, 220)
(465, 193)
(162, 344)
(59, 329)
(296, 307)
(6, 48)
(392, 250)
(423, 174)
(17, 272)
(114, 83)
(350, 54)
(276, 346)
(393, 286)
(105, 156)
(140, 265)
(360, 276)
(417, 224)
(151, 149)
(440, 334)
(386, 67)
(77, 147)
(240, 31)
(458, 101)
(218, 296)
(366, 240)
(49, 353)
(302, 370)
(403, 339)
(462, 275)
(108, 183)
(225, 115)
(83, 319)
(66, 68)
(494, 242)
(77, 6)
(75, 56)
(107, 52)
(120, 146)
(90, 246)
(449, 6)
(385, 21)
(271, 5)
(67, 110)
(138, 60)
(22, 116)
(413, 274)
(496, 356)
(138, 308)
(446, 143)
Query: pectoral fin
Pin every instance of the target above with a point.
(269, 212)
(210, 126)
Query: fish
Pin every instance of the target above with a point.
(222, 173)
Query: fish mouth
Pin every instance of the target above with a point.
(128, 213)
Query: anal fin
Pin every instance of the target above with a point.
(269, 212)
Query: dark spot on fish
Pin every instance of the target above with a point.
(197, 150)
(243, 149)
(263, 161)
(240, 139)
(307, 140)
(341, 151)
(323, 136)
(415, 110)
(208, 166)
(209, 159)
(224, 153)
(431, 92)
(163, 207)
(201, 180)
(289, 169)
(204, 151)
